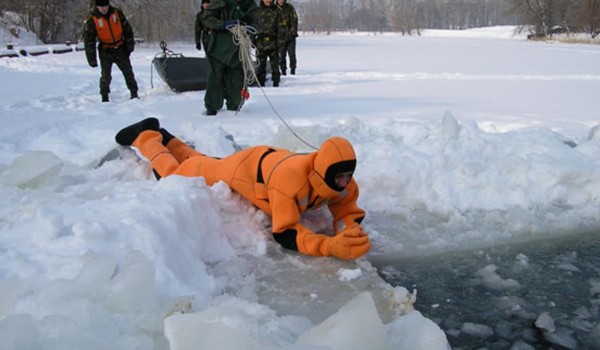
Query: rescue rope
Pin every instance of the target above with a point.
(249, 64)
(243, 41)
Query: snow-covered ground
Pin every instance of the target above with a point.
(462, 141)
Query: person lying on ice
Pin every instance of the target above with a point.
(281, 183)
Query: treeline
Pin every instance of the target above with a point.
(405, 16)
(541, 17)
(56, 21)
(550, 16)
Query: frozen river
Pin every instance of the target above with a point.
(463, 143)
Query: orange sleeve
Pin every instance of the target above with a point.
(283, 197)
(284, 188)
(285, 213)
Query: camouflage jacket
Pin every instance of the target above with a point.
(289, 21)
(268, 34)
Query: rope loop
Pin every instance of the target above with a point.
(241, 38)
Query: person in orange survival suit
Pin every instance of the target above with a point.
(281, 183)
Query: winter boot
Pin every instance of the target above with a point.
(283, 72)
(105, 98)
(275, 84)
(134, 95)
(293, 71)
(126, 136)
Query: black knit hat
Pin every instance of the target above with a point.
(101, 2)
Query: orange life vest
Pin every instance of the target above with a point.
(109, 30)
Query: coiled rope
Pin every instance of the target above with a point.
(242, 39)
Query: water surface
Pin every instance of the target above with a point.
(491, 298)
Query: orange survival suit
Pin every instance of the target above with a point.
(281, 183)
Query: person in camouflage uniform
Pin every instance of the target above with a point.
(226, 73)
(289, 29)
(110, 28)
(267, 41)
(201, 32)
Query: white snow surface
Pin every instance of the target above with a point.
(462, 141)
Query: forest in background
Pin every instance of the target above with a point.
(55, 21)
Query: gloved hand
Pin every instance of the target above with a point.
(199, 47)
(232, 22)
(93, 64)
(351, 243)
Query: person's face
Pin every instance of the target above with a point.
(343, 179)
(205, 5)
(103, 9)
(268, 2)
(280, 2)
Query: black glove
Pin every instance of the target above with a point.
(93, 64)
(199, 47)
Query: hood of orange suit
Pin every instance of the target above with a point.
(336, 155)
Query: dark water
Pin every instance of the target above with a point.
(558, 277)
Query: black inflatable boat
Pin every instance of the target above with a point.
(179, 72)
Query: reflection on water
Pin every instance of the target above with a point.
(537, 295)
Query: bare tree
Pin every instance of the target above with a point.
(59, 20)
(320, 15)
(156, 20)
(588, 17)
(546, 16)
(173, 20)
(594, 17)
(403, 16)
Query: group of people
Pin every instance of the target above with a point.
(276, 39)
(276, 27)
(109, 36)
(280, 182)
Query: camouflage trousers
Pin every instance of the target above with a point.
(288, 49)
(273, 57)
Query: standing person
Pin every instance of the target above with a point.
(109, 26)
(226, 73)
(268, 39)
(289, 27)
(281, 183)
(202, 33)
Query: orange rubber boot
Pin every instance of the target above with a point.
(181, 150)
(149, 143)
